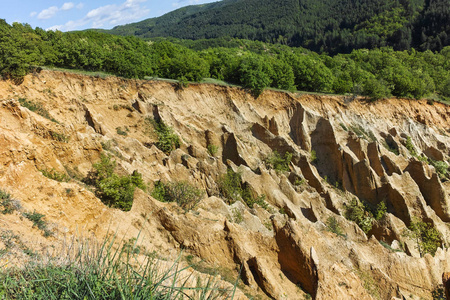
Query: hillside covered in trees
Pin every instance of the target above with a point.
(329, 26)
(254, 65)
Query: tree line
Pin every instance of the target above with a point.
(254, 65)
(326, 26)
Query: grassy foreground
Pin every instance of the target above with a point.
(87, 271)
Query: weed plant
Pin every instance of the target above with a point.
(38, 221)
(441, 168)
(54, 175)
(120, 131)
(90, 271)
(60, 137)
(8, 203)
(313, 156)
(391, 146)
(387, 246)
(212, 149)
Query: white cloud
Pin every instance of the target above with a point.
(109, 15)
(56, 27)
(48, 13)
(51, 11)
(32, 14)
(80, 5)
(67, 6)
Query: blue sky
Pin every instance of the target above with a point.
(76, 15)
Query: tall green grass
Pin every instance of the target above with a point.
(106, 271)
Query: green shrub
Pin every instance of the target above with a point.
(237, 216)
(159, 191)
(54, 175)
(233, 189)
(120, 131)
(37, 108)
(167, 139)
(441, 167)
(427, 237)
(363, 133)
(212, 149)
(359, 214)
(9, 204)
(409, 145)
(114, 190)
(38, 221)
(313, 156)
(181, 192)
(391, 146)
(376, 89)
(230, 186)
(251, 201)
(299, 182)
(380, 211)
(279, 162)
(438, 293)
(333, 226)
(60, 137)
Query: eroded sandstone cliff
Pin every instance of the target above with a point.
(284, 251)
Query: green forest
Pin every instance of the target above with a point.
(326, 26)
(255, 65)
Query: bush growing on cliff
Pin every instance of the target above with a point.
(55, 175)
(409, 145)
(255, 74)
(212, 149)
(184, 194)
(333, 226)
(38, 221)
(441, 168)
(167, 139)
(114, 190)
(8, 203)
(357, 213)
(233, 189)
(364, 214)
(278, 162)
(230, 186)
(37, 108)
(427, 237)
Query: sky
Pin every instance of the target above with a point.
(82, 14)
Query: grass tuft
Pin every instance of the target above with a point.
(87, 270)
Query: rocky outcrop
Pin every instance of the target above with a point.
(431, 189)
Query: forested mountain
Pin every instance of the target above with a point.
(332, 26)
